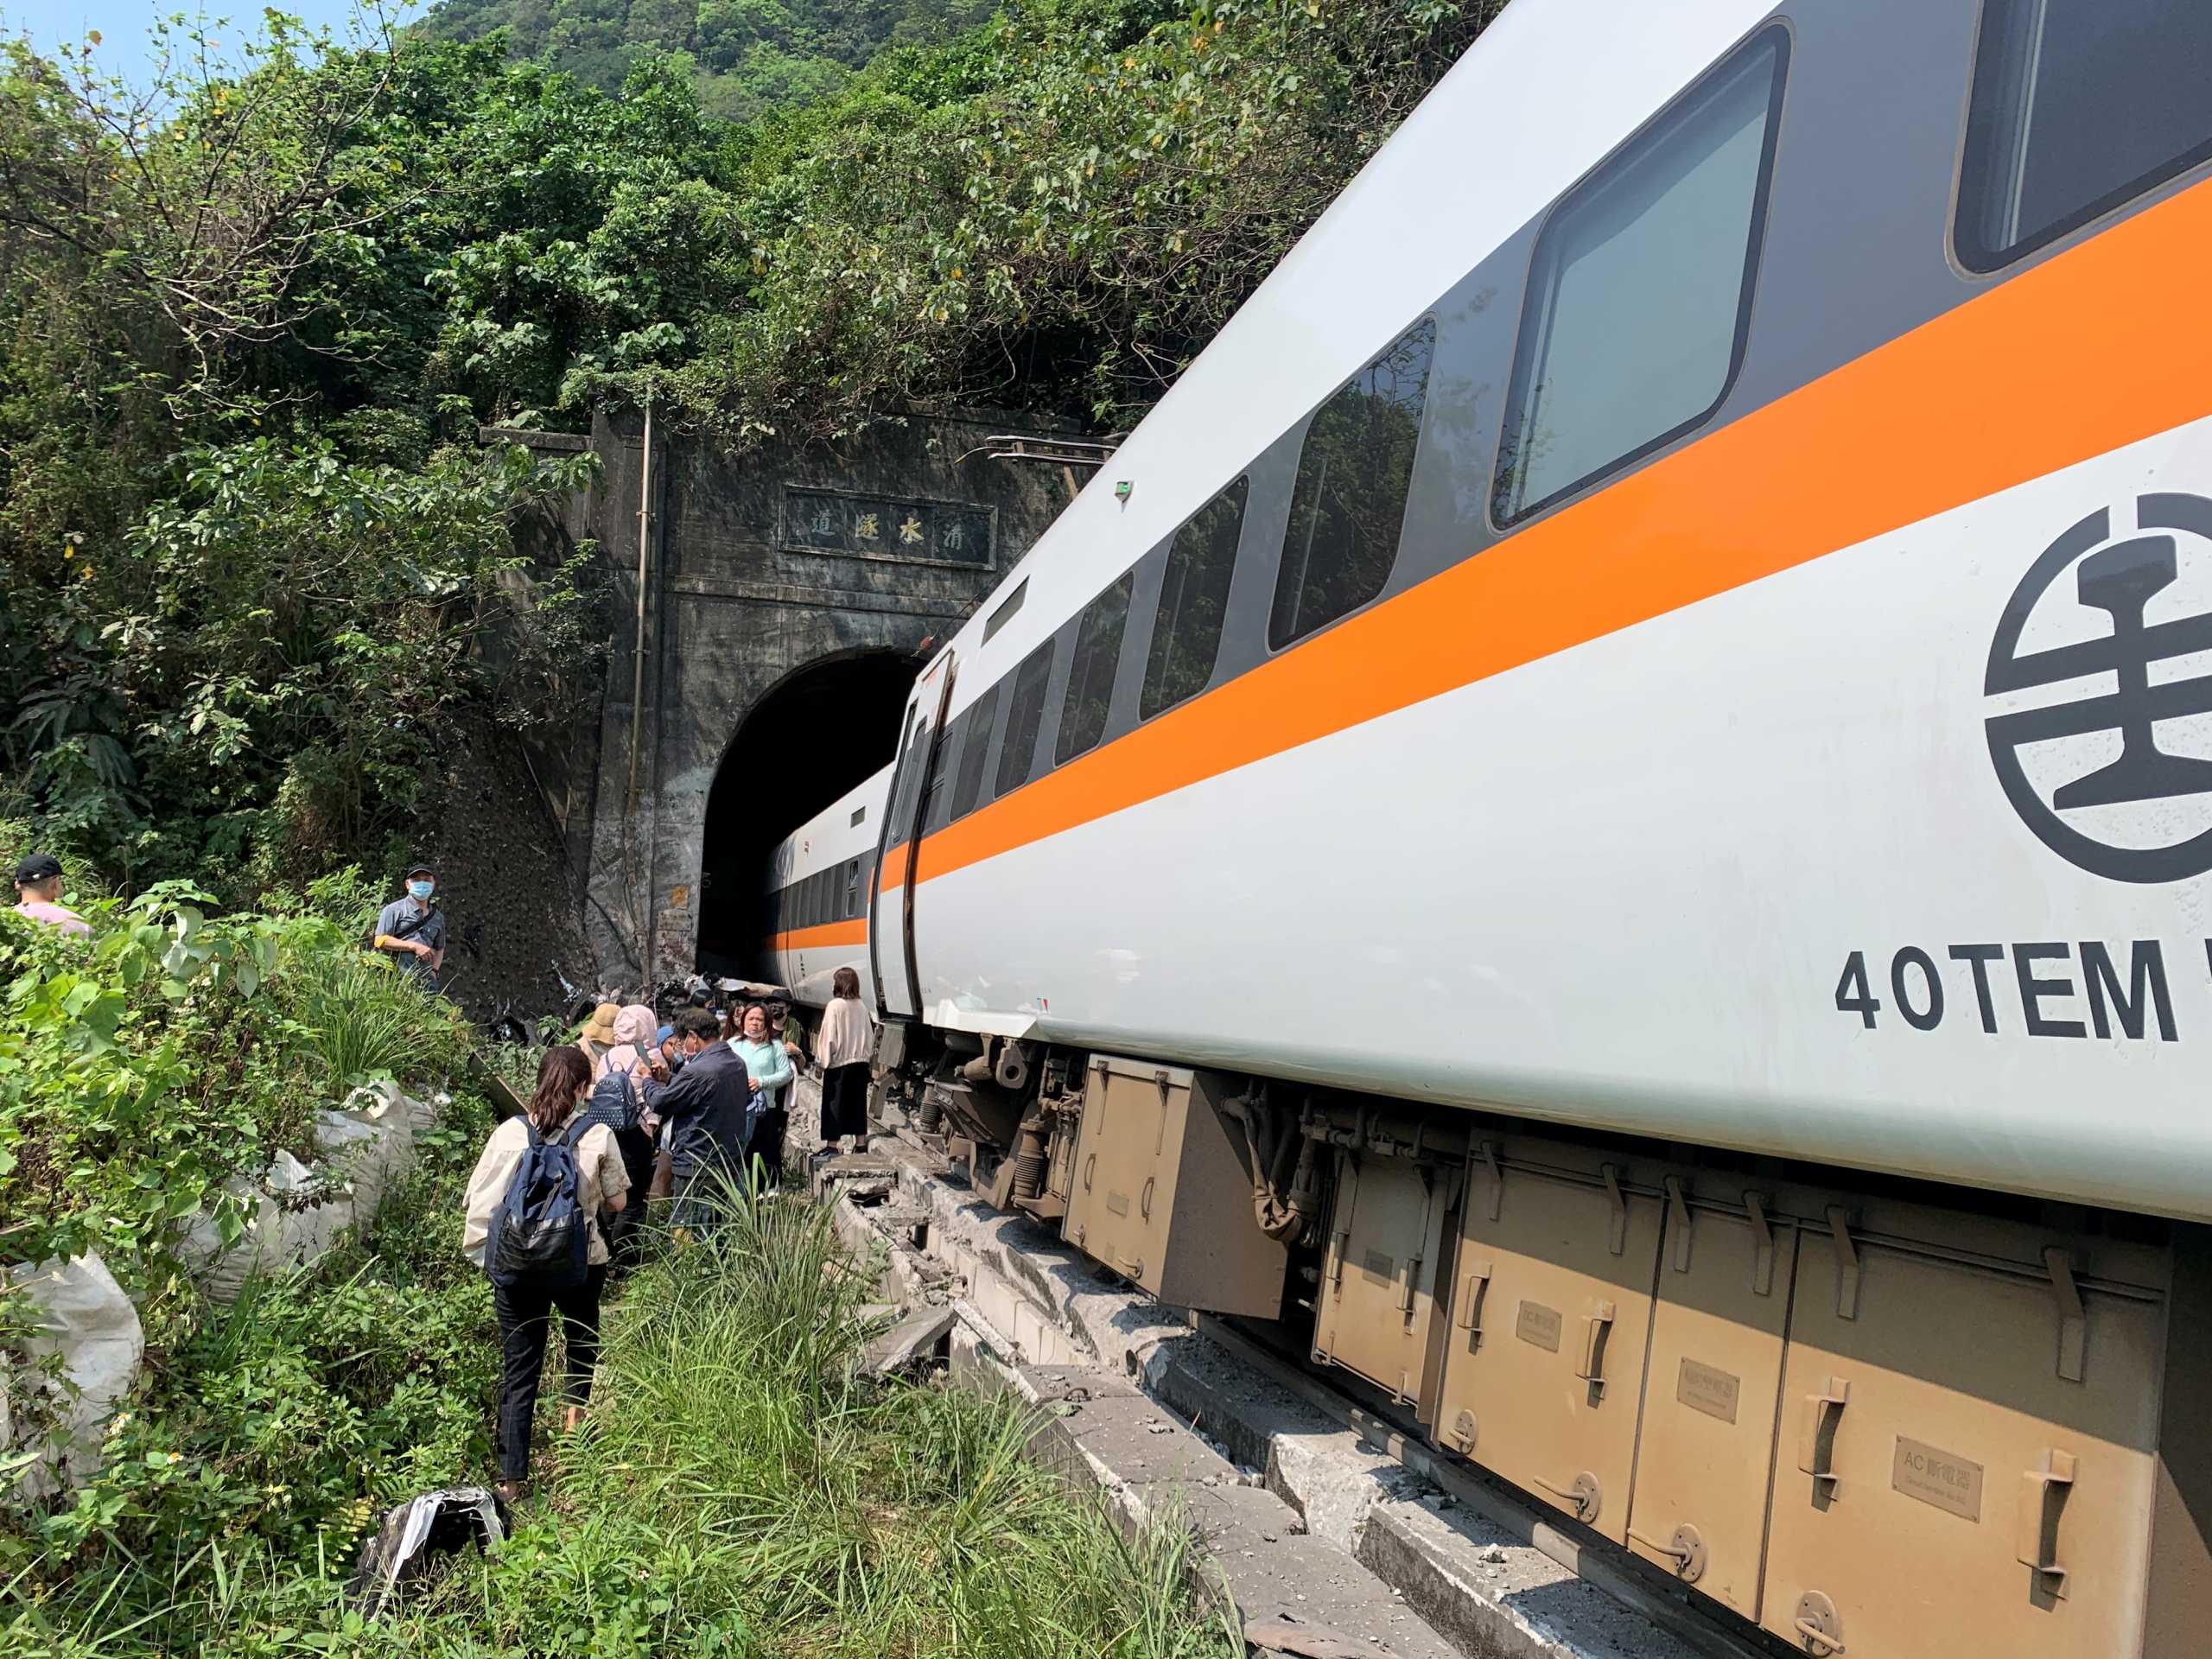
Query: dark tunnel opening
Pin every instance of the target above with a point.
(818, 731)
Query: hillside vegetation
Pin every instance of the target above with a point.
(747, 56)
(247, 541)
(743, 1489)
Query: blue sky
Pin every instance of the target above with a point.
(125, 27)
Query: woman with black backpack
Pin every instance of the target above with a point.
(534, 1204)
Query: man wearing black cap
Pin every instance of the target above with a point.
(413, 930)
(38, 895)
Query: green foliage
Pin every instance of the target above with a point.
(143, 1070)
(766, 1486)
(748, 56)
(241, 582)
(245, 687)
(1057, 212)
(742, 1489)
(274, 1432)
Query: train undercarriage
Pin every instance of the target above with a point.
(1859, 1415)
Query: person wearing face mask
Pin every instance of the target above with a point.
(412, 930)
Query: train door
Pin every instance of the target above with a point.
(891, 907)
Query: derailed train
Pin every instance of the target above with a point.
(1628, 757)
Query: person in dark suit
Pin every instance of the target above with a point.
(708, 1106)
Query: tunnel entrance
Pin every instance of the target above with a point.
(816, 733)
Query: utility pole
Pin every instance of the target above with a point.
(638, 654)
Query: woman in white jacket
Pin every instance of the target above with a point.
(843, 1048)
(526, 1304)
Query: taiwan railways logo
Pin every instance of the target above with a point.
(2102, 670)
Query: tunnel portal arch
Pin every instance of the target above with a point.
(756, 594)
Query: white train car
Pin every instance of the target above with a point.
(1631, 746)
(815, 896)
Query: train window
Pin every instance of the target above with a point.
(1090, 674)
(2078, 105)
(1193, 597)
(1025, 712)
(860, 816)
(902, 779)
(1008, 608)
(1640, 289)
(932, 813)
(852, 889)
(982, 717)
(1354, 470)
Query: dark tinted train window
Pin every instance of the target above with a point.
(1193, 597)
(2078, 105)
(852, 906)
(1009, 608)
(903, 780)
(1090, 674)
(973, 748)
(1354, 470)
(1640, 290)
(933, 804)
(1025, 712)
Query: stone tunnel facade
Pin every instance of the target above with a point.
(766, 574)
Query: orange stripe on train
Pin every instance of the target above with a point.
(2091, 350)
(822, 937)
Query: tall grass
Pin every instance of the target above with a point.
(741, 1490)
(362, 1020)
(770, 1495)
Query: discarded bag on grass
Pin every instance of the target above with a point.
(294, 1212)
(86, 1320)
(418, 1532)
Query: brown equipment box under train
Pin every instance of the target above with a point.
(1871, 1426)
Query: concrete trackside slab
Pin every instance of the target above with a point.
(1306, 1509)
(1097, 1432)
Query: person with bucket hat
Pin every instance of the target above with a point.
(598, 1034)
(412, 929)
(38, 895)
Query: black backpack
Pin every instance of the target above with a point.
(540, 1229)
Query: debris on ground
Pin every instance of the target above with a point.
(414, 1534)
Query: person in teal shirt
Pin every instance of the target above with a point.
(761, 1048)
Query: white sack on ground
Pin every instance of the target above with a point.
(276, 1237)
(362, 1150)
(91, 1325)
